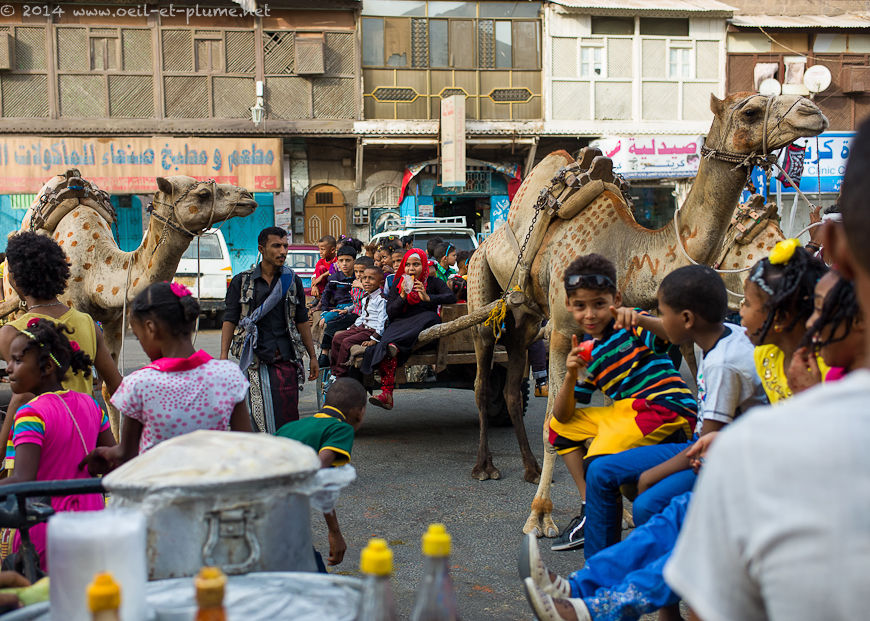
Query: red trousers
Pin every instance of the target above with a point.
(341, 344)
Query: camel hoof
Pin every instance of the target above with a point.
(484, 473)
(549, 527)
(533, 526)
(533, 477)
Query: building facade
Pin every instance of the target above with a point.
(129, 79)
(635, 79)
(416, 53)
(779, 43)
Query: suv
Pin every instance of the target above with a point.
(423, 228)
(215, 272)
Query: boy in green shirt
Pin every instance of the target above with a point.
(330, 432)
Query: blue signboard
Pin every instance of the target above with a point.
(825, 162)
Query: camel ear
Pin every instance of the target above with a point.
(716, 105)
(164, 185)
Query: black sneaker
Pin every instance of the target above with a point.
(572, 537)
(323, 361)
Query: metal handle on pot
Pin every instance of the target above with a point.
(231, 524)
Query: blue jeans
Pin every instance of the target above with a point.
(625, 580)
(606, 474)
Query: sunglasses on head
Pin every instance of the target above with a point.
(588, 281)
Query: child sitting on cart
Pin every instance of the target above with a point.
(324, 265)
(412, 306)
(368, 327)
(445, 257)
(336, 303)
(458, 282)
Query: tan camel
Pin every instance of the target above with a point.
(101, 272)
(745, 126)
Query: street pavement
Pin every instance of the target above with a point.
(414, 465)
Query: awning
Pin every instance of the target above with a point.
(626, 7)
(846, 20)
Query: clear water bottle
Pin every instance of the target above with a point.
(436, 600)
(376, 563)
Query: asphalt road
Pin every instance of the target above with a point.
(414, 466)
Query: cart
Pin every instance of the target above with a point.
(447, 350)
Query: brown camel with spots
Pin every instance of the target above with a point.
(744, 124)
(100, 272)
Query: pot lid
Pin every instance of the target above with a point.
(204, 458)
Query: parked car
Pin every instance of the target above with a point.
(214, 274)
(423, 228)
(302, 259)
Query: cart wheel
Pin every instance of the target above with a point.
(497, 408)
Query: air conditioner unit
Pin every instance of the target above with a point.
(360, 216)
(309, 55)
(855, 79)
(7, 47)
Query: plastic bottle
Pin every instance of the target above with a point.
(104, 598)
(377, 603)
(210, 584)
(436, 600)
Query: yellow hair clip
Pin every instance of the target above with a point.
(783, 251)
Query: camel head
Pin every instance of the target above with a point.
(742, 119)
(197, 205)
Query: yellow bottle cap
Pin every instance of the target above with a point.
(436, 541)
(104, 593)
(210, 583)
(376, 558)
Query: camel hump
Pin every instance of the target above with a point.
(60, 195)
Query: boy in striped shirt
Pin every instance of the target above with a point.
(631, 366)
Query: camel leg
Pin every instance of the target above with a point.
(484, 346)
(482, 289)
(112, 337)
(540, 520)
(517, 342)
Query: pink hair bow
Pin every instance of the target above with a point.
(179, 290)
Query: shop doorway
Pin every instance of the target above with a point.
(325, 213)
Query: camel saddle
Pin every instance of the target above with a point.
(60, 195)
(748, 221)
(568, 193)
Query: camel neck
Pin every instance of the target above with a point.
(705, 215)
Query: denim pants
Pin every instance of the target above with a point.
(606, 474)
(625, 581)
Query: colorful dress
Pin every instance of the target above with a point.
(65, 425)
(174, 396)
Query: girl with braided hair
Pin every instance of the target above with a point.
(182, 390)
(55, 431)
(836, 328)
(778, 300)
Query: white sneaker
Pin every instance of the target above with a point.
(548, 609)
(531, 566)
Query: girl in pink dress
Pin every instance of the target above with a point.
(54, 432)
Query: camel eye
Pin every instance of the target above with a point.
(751, 113)
(203, 193)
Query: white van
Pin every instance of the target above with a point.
(215, 272)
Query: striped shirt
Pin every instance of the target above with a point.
(633, 364)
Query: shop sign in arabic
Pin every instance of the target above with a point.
(130, 165)
(824, 161)
(644, 157)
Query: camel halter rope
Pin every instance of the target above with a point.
(169, 223)
(763, 160)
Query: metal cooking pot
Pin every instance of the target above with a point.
(235, 521)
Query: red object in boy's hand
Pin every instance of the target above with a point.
(586, 348)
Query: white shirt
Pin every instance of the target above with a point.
(728, 383)
(373, 313)
(779, 526)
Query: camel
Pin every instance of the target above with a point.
(101, 272)
(546, 218)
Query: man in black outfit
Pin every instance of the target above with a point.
(266, 326)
